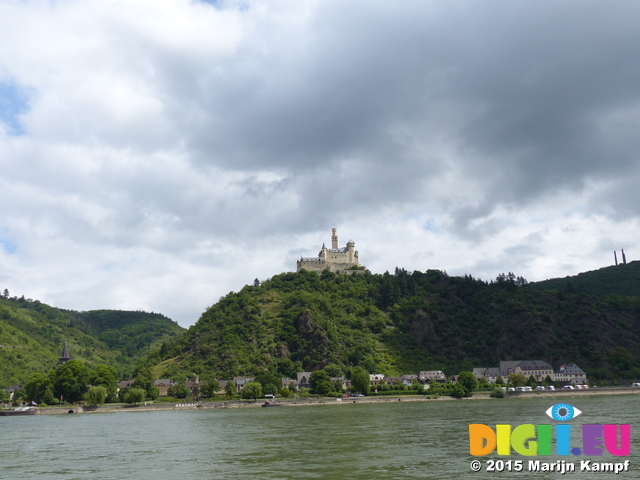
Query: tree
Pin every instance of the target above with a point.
(70, 380)
(532, 381)
(5, 294)
(209, 388)
(333, 370)
(107, 377)
(143, 378)
(434, 387)
(96, 396)
(230, 389)
(252, 390)
(285, 392)
(270, 389)
(458, 391)
(39, 389)
(499, 381)
(338, 385)
(360, 382)
(320, 383)
(266, 379)
(468, 382)
(517, 380)
(135, 395)
(178, 390)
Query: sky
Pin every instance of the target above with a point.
(157, 154)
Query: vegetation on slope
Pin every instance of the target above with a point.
(32, 335)
(622, 280)
(404, 323)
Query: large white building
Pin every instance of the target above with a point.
(334, 259)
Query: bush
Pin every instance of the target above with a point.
(499, 392)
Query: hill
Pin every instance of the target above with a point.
(32, 335)
(622, 280)
(403, 323)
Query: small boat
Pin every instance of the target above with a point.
(272, 404)
(18, 411)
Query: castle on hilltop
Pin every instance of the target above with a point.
(334, 259)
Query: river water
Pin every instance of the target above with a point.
(425, 440)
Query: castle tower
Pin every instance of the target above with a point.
(334, 238)
(351, 258)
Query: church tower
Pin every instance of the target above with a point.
(64, 358)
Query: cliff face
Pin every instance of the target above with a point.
(404, 323)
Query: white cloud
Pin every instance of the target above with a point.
(171, 151)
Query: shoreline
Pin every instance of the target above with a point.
(150, 407)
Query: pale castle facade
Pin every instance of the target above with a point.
(334, 259)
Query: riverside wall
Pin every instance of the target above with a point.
(150, 407)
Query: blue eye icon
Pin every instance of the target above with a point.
(563, 412)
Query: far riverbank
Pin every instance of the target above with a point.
(146, 407)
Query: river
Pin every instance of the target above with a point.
(422, 440)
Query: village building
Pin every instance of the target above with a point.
(490, 374)
(240, 382)
(162, 384)
(570, 373)
(538, 369)
(375, 378)
(303, 380)
(425, 376)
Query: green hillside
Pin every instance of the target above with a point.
(403, 323)
(622, 280)
(32, 335)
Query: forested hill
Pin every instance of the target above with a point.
(32, 335)
(622, 280)
(403, 323)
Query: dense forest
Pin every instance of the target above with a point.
(32, 335)
(622, 280)
(402, 323)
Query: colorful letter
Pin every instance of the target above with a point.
(611, 440)
(503, 432)
(544, 439)
(523, 434)
(563, 438)
(592, 439)
(478, 435)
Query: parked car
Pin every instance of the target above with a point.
(568, 387)
(551, 387)
(540, 387)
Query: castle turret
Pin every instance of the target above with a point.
(334, 238)
(351, 258)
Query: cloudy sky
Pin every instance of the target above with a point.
(157, 154)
